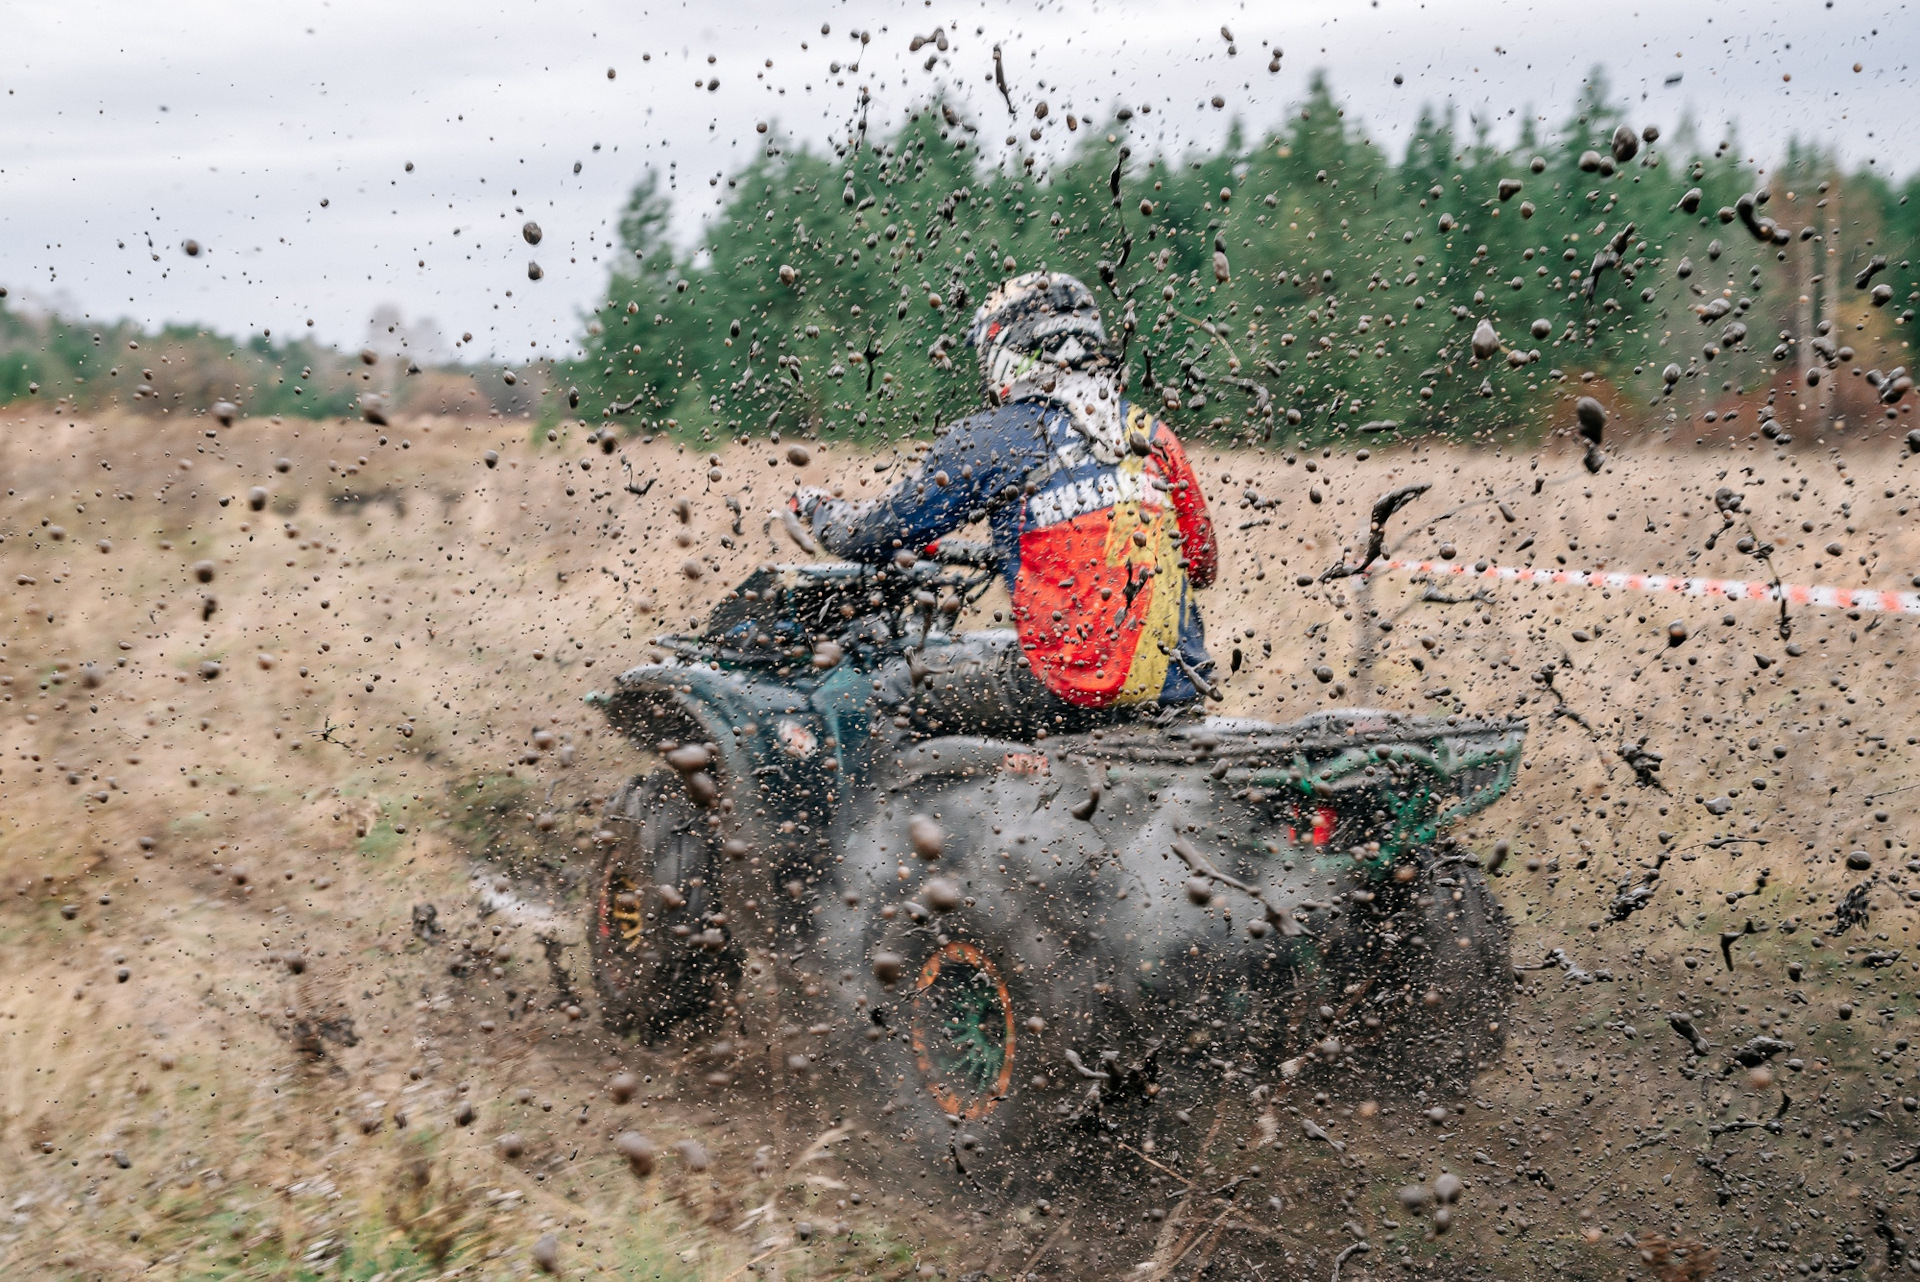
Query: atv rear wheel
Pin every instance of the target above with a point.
(659, 961)
(960, 1023)
(956, 1024)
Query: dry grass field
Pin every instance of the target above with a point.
(296, 804)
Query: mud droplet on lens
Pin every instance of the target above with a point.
(1592, 416)
(530, 231)
(927, 838)
(546, 1253)
(638, 1150)
(1485, 341)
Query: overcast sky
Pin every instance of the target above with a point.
(278, 135)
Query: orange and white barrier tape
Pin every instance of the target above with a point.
(1725, 589)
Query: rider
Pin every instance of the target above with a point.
(1096, 515)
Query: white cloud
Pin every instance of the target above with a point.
(229, 123)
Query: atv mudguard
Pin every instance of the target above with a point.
(788, 752)
(802, 722)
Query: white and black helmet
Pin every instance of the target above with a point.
(1040, 320)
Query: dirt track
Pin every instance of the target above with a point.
(248, 843)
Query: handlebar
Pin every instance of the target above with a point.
(781, 605)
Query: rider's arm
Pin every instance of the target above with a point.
(978, 458)
(1190, 508)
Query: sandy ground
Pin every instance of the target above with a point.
(241, 751)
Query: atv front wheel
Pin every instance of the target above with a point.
(659, 958)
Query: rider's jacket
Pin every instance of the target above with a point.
(1100, 558)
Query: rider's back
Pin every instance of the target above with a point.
(1100, 556)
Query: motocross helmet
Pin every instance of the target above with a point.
(1034, 324)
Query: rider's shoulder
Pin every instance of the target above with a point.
(1000, 420)
(1021, 413)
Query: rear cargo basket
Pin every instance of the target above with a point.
(1467, 763)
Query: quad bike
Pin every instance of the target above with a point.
(1016, 955)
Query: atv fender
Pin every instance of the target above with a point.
(675, 701)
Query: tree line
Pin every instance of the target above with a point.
(1303, 285)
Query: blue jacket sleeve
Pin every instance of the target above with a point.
(979, 457)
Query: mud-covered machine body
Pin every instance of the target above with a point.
(1033, 947)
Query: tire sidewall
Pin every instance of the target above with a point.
(651, 980)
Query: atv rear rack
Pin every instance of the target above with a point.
(1438, 770)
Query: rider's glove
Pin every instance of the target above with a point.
(806, 501)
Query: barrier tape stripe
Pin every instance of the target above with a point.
(1726, 589)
